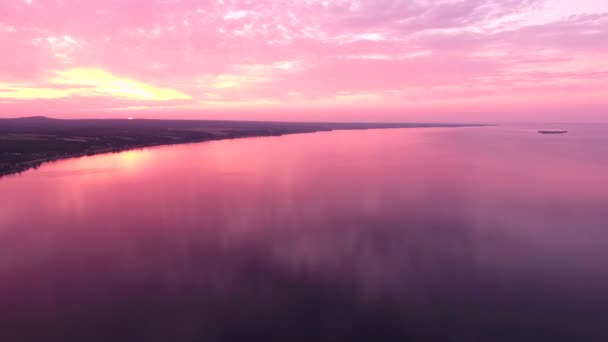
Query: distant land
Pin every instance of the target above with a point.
(552, 132)
(28, 142)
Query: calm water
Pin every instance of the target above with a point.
(466, 234)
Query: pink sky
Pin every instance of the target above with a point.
(335, 60)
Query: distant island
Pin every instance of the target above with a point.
(552, 132)
(28, 142)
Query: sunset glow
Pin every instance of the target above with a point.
(369, 60)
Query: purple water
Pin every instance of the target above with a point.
(451, 234)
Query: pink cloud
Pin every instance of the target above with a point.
(331, 56)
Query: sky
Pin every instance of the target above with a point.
(306, 60)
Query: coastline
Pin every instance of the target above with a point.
(31, 142)
(34, 164)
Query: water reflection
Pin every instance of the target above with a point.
(426, 235)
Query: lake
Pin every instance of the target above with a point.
(426, 234)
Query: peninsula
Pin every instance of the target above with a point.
(28, 142)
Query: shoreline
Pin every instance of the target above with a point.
(34, 164)
(183, 136)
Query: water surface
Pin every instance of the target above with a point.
(449, 234)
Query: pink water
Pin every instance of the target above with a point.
(489, 233)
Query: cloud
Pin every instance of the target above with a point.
(90, 82)
(105, 83)
(389, 52)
